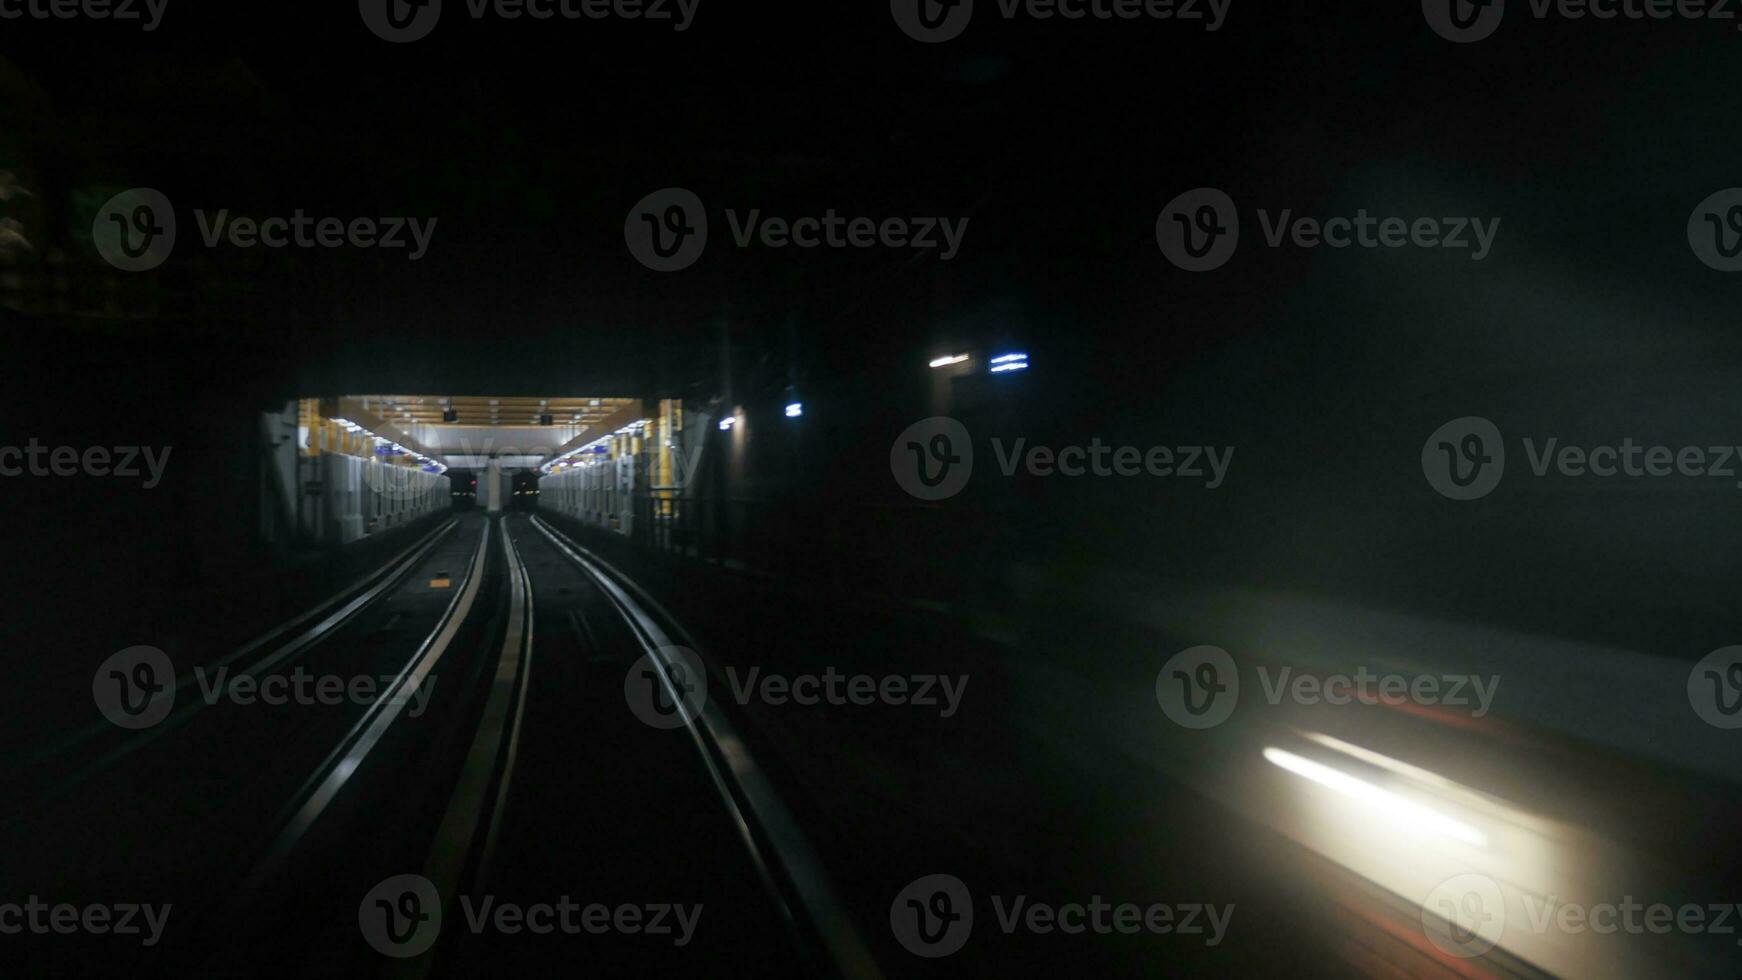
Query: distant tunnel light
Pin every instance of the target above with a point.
(795, 410)
(727, 423)
(1006, 363)
(1383, 803)
(947, 361)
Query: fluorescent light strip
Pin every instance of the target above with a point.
(1398, 809)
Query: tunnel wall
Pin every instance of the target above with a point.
(600, 494)
(361, 496)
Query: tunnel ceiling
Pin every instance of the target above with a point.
(527, 286)
(509, 429)
(474, 411)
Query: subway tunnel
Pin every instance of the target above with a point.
(1182, 490)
